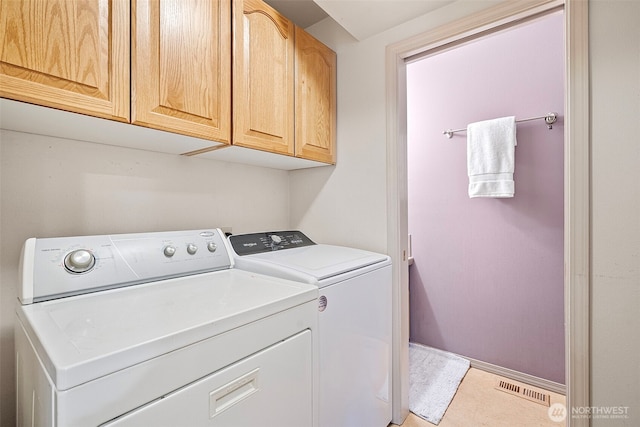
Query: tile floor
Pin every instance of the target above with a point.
(478, 404)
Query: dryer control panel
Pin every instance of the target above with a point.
(255, 243)
(66, 266)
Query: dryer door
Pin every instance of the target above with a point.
(272, 387)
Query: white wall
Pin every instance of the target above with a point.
(55, 187)
(615, 287)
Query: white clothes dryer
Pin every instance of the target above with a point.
(354, 319)
(158, 329)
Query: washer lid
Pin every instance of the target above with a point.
(310, 264)
(88, 336)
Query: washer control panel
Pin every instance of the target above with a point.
(255, 243)
(66, 266)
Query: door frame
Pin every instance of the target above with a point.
(576, 184)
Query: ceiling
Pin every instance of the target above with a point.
(361, 18)
(303, 13)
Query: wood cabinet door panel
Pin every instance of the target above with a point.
(72, 55)
(263, 78)
(182, 67)
(315, 99)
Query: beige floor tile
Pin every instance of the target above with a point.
(478, 404)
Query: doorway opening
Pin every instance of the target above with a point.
(576, 173)
(486, 280)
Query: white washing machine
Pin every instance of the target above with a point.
(354, 319)
(158, 329)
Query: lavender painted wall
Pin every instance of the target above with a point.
(487, 281)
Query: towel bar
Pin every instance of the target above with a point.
(549, 119)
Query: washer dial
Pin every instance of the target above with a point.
(276, 239)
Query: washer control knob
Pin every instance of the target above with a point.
(211, 246)
(276, 239)
(169, 251)
(192, 249)
(79, 261)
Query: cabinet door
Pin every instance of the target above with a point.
(181, 67)
(315, 99)
(263, 115)
(71, 55)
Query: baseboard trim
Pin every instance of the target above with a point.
(518, 376)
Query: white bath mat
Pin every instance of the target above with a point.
(434, 377)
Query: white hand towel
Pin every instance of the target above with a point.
(490, 157)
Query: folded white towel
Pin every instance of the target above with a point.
(490, 157)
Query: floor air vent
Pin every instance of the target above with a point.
(524, 392)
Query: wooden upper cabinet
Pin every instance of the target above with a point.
(181, 67)
(71, 55)
(315, 99)
(263, 48)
